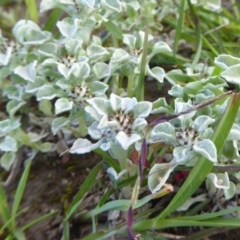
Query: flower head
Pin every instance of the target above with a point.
(118, 120)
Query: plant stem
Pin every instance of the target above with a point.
(130, 87)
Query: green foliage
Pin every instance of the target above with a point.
(84, 72)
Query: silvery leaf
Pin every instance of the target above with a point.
(46, 5)
(116, 175)
(13, 92)
(66, 71)
(9, 124)
(7, 160)
(234, 133)
(5, 57)
(94, 132)
(46, 92)
(139, 124)
(119, 56)
(101, 105)
(176, 91)
(160, 47)
(129, 40)
(27, 72)
(207, 149)
(232, 74)
(33, 87)
(183, 154)
(161, 106)
(89, 3)
(158, 176)
(81, 146)
(81, 70)
(58, 123)
(35, 37)
(48, 49)
(134, 4)
(116, 102)
(230, 192)
(113, 5)
(157, 73)
(13, 106)
(142, 36)
(63, 105)
(128, 104)
(8, 144)
(96, 51)
(191, 201)
(101, 70)
(163, 132)
(219, 180)
(142, 109)
(98, 88)
(126, 141)
(22, 26)
(225, 61)
(202, 122)
(68, 27)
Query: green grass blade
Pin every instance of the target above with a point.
(86, 186)
(5, 213)
(179, 26)
(146, 225)
(19, 235)
(54, 16)
(203, 166)
(32, 10)
(66, 230)
(211, 215)
(11, 219)
(198, 34)
(37, 220)
(141, 80)
(20, 188)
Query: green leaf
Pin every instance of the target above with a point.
(141, 80)
(179, 26)
(45, 106)
(37, 220)
(45, 147)
(86, 186)
(4, 208)
(20, 188)
(7, 160)
(32, 9)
